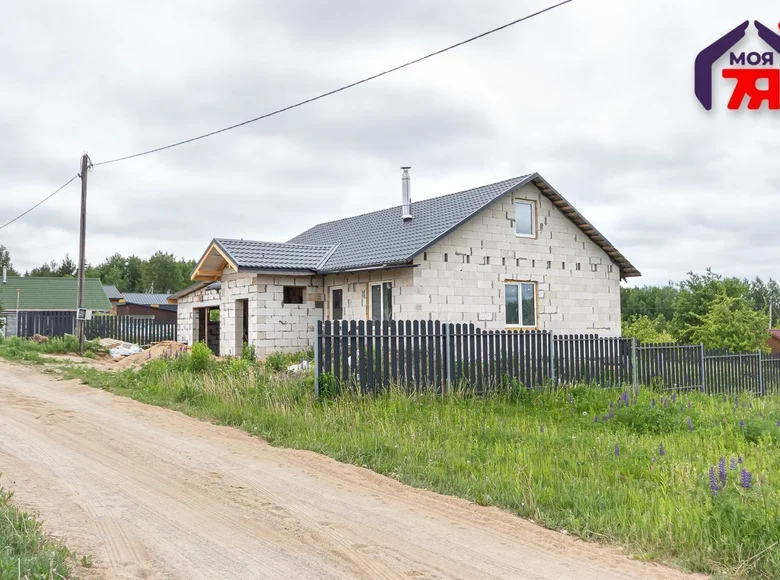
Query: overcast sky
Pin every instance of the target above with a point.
(597, 96)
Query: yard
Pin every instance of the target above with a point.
(677, 477)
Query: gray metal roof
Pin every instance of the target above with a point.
(383, 238)
(275, 256)
(112, 292)
(145, 299)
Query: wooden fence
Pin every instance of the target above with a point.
(51, 324)
(368, 356)
(128, 329)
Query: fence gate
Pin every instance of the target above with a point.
(674, 366)
(51, 324)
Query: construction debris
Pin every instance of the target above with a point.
(302, 366)
(124, 349)
(165, 349)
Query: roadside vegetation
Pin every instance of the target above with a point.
(25, 551)
(678, 477)
(22, 350)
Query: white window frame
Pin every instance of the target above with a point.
(381, 299)
(343, 301)
(532, 203)
(519, 284)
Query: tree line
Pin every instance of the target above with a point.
(707, 308)
(161, 273)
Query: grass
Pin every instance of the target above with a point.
(25, 552)
(540, 454)
(28, 351)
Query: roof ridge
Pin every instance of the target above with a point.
(438, 197)
(276, 243)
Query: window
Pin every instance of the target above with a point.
(382, 301)
(293, 295)
(525, 216)
(521, 304)
(337, 304)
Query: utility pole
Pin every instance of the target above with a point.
(80, 315)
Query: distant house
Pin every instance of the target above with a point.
(510, 255)
(114, 295)
(774, 340)
(144, 305)
(46, 306)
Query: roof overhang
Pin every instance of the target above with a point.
(627, 270)
(174, 298)
(213, 262)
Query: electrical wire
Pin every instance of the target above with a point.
(333, 92)
(45, 199)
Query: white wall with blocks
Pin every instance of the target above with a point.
(578, 285)
(273, 326)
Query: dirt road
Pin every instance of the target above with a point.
(150, 493)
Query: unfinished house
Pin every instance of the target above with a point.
(510, 255)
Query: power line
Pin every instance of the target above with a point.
(45, 199)
(333, 92)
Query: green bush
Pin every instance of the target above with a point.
(200, 357)
(277, 362)
(248, 352)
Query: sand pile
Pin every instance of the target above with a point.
(163, 349)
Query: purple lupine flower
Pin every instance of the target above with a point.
(596, 419)
(689, 404)
(661, 450)
(665, 402)
(541, 429)
(739, 459)
(690, 424)
(741, 423)
(625, 397)
(674, 398)
(778, 423)
(619, 403)
(745, 479)
(722, 473)
(713, 482)
(733, 464)
(617, 449)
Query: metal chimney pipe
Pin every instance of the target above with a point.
(5, 275)
(406, 210)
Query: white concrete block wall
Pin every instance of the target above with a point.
(273, 325)
(578, 286)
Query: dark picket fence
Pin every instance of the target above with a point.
(45, 323)
(369, 356)
(128, 329)
(673, 366)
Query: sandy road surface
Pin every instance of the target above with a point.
(150, 493)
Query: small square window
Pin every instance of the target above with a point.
(525, 216)
(293, 295)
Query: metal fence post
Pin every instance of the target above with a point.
(448, 357)
(317, 355)
(761, 386)
(552, 357)
(701, 367)
(634, 381)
